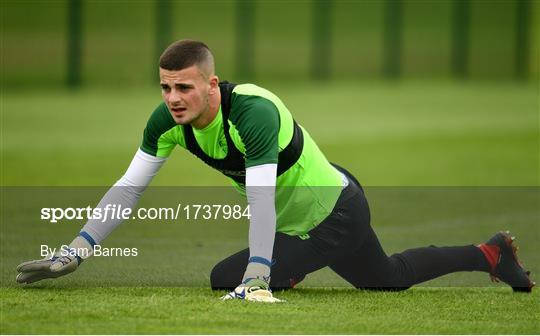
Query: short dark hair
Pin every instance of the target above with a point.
(185, 53)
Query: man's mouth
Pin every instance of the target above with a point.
(178, 110)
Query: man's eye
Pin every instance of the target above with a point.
(165, 88)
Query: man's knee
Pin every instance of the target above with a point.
(287, 283)
(223, 277)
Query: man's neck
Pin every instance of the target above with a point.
(213, 108)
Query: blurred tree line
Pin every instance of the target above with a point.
(84, 42)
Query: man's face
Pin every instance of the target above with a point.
(186, 94)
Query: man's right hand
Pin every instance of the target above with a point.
(252, 290)
(61, 263)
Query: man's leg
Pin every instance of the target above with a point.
(368, 266)
(346, 242)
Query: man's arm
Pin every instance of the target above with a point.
(257, 121)
(260, 189)
(126, 191)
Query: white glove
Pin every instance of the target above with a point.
(61, 263)
(252, 290)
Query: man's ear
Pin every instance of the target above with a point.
(214, 84)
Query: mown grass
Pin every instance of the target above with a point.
(311, 311)
(392, 134)
(400, 135)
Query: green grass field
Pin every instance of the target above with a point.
(307, 311)
(443, 162)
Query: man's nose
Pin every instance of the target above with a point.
(175, 97)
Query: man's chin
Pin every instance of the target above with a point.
(181, 121)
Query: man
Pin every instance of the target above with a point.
(306, 213)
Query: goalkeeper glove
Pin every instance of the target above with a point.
(61, 263)
(252, 290)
